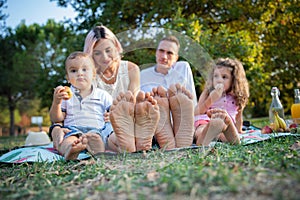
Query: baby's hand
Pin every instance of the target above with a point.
(59, 94)
(106, 117)
(216, 93)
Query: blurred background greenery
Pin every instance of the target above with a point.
(264, 35)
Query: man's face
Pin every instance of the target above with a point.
(166, 54)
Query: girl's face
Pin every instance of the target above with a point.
(80, 72)
(105, 54)
(222, 75)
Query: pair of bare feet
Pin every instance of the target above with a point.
(71, 146)
(135, 123)
(220, 126)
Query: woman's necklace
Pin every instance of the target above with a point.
(107, 79)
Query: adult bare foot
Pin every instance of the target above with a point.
(146, 120)
(73, 148)
(164, 131)
(122, 120)
(182, 109)
(95, 144)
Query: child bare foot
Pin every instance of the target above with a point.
(95, 144)
(182, 108)
(164, 132)
(220, 122)
(73, 148)
(121, 117)
(58, 134)
(146, 120)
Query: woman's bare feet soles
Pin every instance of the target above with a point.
(122, 120)
(146, 120)
(73, 149)
(164, 132)
(182, 109)
(95, 144)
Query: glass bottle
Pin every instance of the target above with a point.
(295, 109)
(275, 105)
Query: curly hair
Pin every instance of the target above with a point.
(239, 87)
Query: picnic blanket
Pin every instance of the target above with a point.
(47, 153)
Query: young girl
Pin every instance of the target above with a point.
(219, 112)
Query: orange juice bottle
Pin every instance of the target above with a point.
(295, 109)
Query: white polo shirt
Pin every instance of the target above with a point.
(88, 111)
(179, 73)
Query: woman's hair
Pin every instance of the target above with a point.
(98, 33)
(239, 88)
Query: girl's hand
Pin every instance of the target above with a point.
(106, 117)
(216, 93)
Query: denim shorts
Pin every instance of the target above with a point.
(104, 132)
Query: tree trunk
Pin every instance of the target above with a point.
(12, 117)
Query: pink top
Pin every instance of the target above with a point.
(227, 103)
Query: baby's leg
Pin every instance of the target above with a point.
(57, 134)
(72, 146)
(146, 120)
(95, 144)
(182, 109)
(122, 121)
(164, 131)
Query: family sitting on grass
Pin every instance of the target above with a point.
(116, 107)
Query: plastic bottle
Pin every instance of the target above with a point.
(275, 105)
(295, 109)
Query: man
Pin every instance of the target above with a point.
(172, 85)
(168, 70)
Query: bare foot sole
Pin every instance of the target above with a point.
(230, 131)
(146, 120)
(95, 144)
(121, 117)
(182, 109)
(75, 148)
(164, 132)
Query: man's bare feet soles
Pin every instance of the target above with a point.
(164, 132)
(182, 109)
(122, 120)
(73, 149)
(146, 120)
(95, 144)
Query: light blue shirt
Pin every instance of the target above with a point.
(86, 111)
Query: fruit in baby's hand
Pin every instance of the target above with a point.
(266, 130)
(69, 92)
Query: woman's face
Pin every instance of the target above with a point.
(105, 54)
(222, 75)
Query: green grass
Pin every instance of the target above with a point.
(266, 170)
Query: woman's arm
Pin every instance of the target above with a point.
(134, 78)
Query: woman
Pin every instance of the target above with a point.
(114, 75)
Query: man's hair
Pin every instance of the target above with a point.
(172, 38)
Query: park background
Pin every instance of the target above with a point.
(264, 35)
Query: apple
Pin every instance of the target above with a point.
(293, 125)
(266, 130)
(69, 92)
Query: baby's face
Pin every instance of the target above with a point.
(222, 78)
(80, 72)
